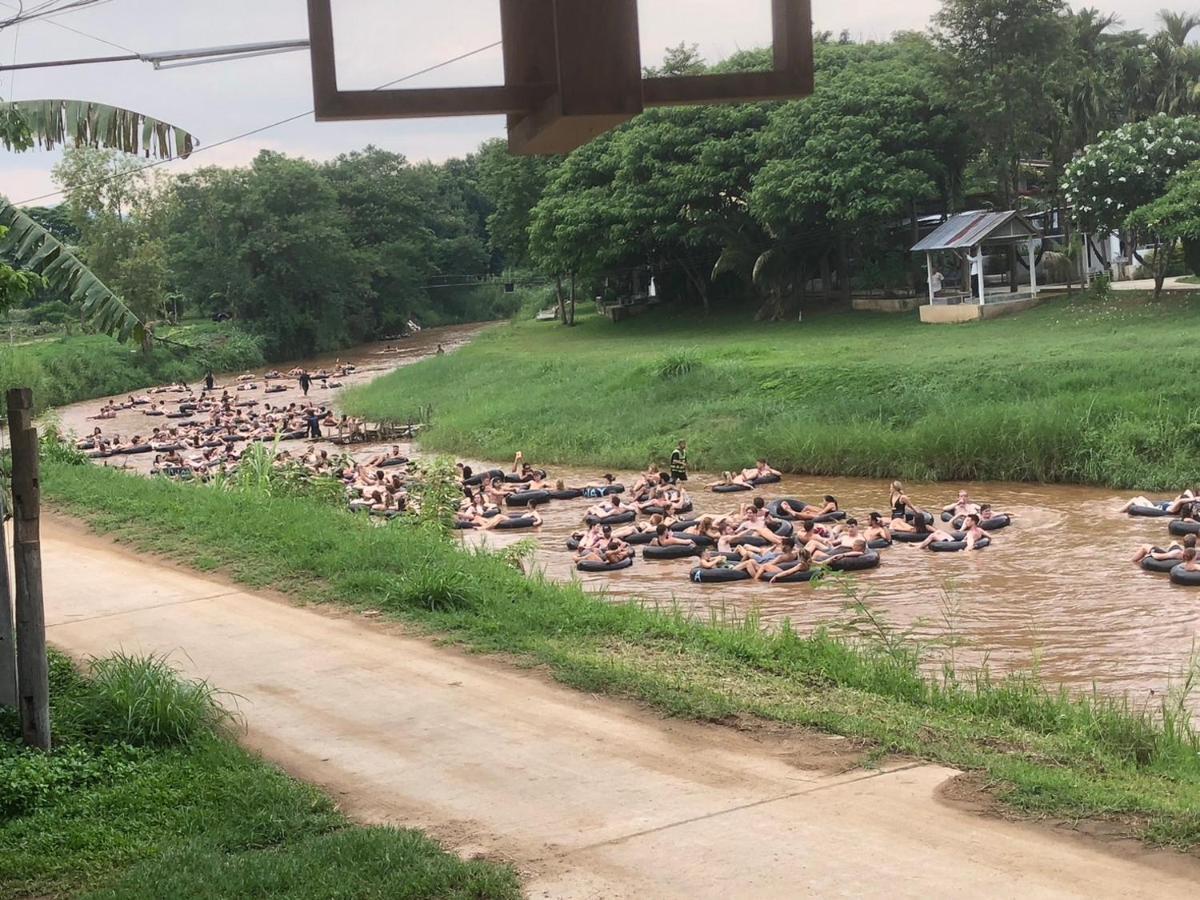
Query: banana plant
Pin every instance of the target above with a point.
(52, 123)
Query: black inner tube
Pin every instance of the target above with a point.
(588, 565)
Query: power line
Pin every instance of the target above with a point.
(245, 134)
(46, 9)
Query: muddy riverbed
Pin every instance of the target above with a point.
(1055, 591)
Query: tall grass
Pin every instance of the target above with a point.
(1051, 751)
(1087, 390)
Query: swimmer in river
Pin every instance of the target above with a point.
(963, 506)
(1172, 551)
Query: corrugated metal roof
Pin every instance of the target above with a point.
(965, 230)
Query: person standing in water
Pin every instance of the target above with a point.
(679, 468)
(209, 381)
(305, 382)
(441, 351)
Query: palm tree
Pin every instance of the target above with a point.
(1177, 63)
(51, 123)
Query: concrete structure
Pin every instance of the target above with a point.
(964, 236)
(885, 304)
(952, 313)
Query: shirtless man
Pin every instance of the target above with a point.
(963, 506)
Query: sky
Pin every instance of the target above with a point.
(377, 41)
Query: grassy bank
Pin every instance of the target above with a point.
(145, 796)
(1042, 752)
(80, 367)
(1088, 389)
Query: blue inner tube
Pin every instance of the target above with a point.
(773, 507)
(591, 566)
(567, 494)
(680, 551)
(524, 498)
(1180, 527)
(621, 518)
(956, 546)
(593, 493)
(767, 479)
(868, 560)
(717, 576)
(731, 488)
(1150, 564)
(517, 523)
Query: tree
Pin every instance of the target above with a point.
(1176, 63)
(1002, 56)
(48, 123)
(1130, 168)
(1175, 216)
(514, 185)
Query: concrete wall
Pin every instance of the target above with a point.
(886, 304)
(973, 312)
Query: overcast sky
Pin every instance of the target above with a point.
(378, 41)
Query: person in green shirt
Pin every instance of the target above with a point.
(679, 468)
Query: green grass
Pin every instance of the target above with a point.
(1042, 751)
(1087, 389)
(144, 795)
(80, 367)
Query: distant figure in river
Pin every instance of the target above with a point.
(209, 381)
(305, 382)
(441, 351)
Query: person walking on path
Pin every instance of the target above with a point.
(679, 471)
(305, 382)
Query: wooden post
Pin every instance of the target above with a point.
(33, 675)
(8, 649)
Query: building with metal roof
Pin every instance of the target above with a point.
(964, 235)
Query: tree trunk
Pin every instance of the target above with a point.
(699, 283)
(826, 277)
(844, 268)
(571, 321)
(562, 306)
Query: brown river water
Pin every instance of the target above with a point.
(1054, 592)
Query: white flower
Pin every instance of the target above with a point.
(1122, 178)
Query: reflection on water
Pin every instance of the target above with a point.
(1055, 590)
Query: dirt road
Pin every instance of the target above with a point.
(587, 797)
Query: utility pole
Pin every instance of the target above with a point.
(33, 673)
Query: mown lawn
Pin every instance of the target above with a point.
(1087, 389)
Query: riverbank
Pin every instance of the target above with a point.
(146, 796)
(1087, 389)
(1039, 752)
(80, 367)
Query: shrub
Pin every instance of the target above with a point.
(142, 701)
(678, 364)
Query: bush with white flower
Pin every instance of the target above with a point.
(1128, 168)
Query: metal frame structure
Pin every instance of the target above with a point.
(572, 71)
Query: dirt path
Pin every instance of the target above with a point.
(588, 797)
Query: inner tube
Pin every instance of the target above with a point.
(1150, 512)
(621, 518)
(392, 463)
(750, 539)
(675, 551)
(524, 498)
(518, 522)
(98, 454)
(593, 493)
(995, 523)
(477, 480)
(879, 544)
(592, 566)
(731, 488)
(782, 528)
(572, 544)
(167, 448)
(716, 576)
(664, 511)
(701, 540)
(910, 516)
(642, 537)
(1181, 576)
(797, 576)
(142, 448)
(517, 478)
(767, 479)
(909, 537)
(775, 507)
(868, 560)
(1181, 527)
(685, 525)
(836, 516)
(1150, 564)
(956, 546)
(568, 494)
(178, 415)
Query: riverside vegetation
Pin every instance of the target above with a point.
(145, 796)
(1087, 389)
(1041, 751)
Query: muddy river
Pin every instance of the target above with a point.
(1055, 591)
